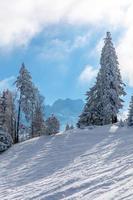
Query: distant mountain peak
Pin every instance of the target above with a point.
(67, 110)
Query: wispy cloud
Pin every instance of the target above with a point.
(88, 74)
(7, 83)
(58, 48)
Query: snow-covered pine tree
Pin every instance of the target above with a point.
(67, 127)
(35, 102)
(110, 84)
(10, 114)
(38, 124)
(26, 93)
(71, 127)
(104, 98)
(52, 125)
(5, 137)
(2, 112)
(91, 113)
(130, 115)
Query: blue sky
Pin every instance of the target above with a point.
(61, 44)
(56, 57)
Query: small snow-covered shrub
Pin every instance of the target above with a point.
(52, 125)
(81, 126)
(3, 147)
(5, 141)
(121, 123)
(91, 127)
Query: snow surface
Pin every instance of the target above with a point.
(95, 164)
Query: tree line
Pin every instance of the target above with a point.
(25, 106)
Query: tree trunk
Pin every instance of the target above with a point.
(18, 124)
(114, 119)
(14, 131)
(12, 128)
(32, 125)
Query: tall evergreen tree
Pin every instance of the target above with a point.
(2, 112)
(130, 115)
(38, 124)
(5, 137)
(104, 99)
(26, 93)
(10, 113)
(110, 83)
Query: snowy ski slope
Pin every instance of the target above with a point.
(85, 164)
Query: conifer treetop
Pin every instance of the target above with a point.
(108, 36)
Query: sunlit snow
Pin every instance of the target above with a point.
(90, 164)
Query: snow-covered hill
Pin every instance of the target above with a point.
(86, 164)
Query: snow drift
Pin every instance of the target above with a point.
(90, 164)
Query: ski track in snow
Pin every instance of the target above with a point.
(85, 164)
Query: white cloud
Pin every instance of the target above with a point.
(88, 74)
(125, 54)
(80, 41)
(21, 20)
(7, 83)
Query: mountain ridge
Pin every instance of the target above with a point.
(66, 110)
